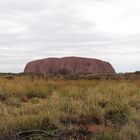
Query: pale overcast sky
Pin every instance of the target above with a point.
(102, 29)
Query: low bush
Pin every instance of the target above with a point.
(120, 116)
(35, 92)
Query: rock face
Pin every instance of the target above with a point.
(74, 64)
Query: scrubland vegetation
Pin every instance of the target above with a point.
(33, 108)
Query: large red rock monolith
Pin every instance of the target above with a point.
(74, 64)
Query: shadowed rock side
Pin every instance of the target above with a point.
(74, 64)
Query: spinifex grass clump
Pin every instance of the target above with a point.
(69, 109)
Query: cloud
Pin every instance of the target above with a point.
(102, 29)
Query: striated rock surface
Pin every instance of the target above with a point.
(74, 64)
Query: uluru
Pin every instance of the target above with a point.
(75, 65)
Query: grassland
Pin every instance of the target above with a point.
(35, 108)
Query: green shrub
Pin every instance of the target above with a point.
(36, 93)
(117, 116)
(3, 94)
(64, 71)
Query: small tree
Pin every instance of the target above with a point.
(64, 71)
